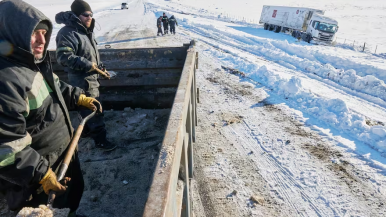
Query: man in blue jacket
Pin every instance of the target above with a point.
(77, 51)
(173, 22)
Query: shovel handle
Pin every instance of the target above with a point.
(70, 152)
(62, 171)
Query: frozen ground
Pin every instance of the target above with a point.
(117, 182)
(302, 126)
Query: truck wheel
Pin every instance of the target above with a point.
(271, 27)
(309, 38)
(295, 34)
(265, 26)
(277, 29)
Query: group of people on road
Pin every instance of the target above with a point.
(166, 22)
(35, 126)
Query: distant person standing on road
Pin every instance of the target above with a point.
(159, 26)
(165, 21)
(173, 22)
(77, 51)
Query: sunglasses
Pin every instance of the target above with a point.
(86, 14)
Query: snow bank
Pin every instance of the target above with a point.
(312, 53)
(301, 58)
(334, 112)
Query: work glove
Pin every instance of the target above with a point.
(104, 73)
(88, 102)
(50, 183)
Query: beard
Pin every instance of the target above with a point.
(38, 56)
(87, 25)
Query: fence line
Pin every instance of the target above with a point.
(358, 46)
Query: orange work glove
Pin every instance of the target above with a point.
(87, 102)
(103, 73)
(50, 183)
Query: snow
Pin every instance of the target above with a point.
(362, 21)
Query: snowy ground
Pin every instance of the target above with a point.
(302, 126)
(360, 21)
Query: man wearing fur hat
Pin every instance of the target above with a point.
(77, 52)
(35, 127)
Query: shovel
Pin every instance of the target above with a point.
(70, 152)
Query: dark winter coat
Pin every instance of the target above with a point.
(159, 23)
(76, 51)
(35, 127)
(172, 22)
(165, 20)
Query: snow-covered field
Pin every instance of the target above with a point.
(359, 20)
(304, 126)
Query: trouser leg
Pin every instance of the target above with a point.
(95, 127)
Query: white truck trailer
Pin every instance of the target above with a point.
(306, 23)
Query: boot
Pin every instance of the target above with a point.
(105, 145)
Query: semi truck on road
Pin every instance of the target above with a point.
(306, 23)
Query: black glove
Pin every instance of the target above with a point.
(102, 67)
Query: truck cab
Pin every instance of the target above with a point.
(322, 28)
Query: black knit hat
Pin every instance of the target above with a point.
(79, 7)
(43, 25)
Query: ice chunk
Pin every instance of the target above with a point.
(379, 131)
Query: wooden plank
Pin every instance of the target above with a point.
(142, 81)
(137, 100)
(189, 123)
(179, 196)
(165, 176)
(169, 57)
(186, 208)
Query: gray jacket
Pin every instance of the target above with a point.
(35, 127)
(77, 50)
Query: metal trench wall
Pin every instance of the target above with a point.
(170, 190)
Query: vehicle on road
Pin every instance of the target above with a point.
(124, 6)
(306, 23)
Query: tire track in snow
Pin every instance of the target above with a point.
(305, 201)
(287, 186)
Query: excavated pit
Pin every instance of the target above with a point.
(117, 183)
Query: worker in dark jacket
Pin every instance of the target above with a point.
(165, 21)
(159, 26)
(35, 127)
(173, 22)
(77, 52)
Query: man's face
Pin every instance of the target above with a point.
(38, 42)
(86, 18)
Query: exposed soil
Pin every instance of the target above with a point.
(124, 174)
